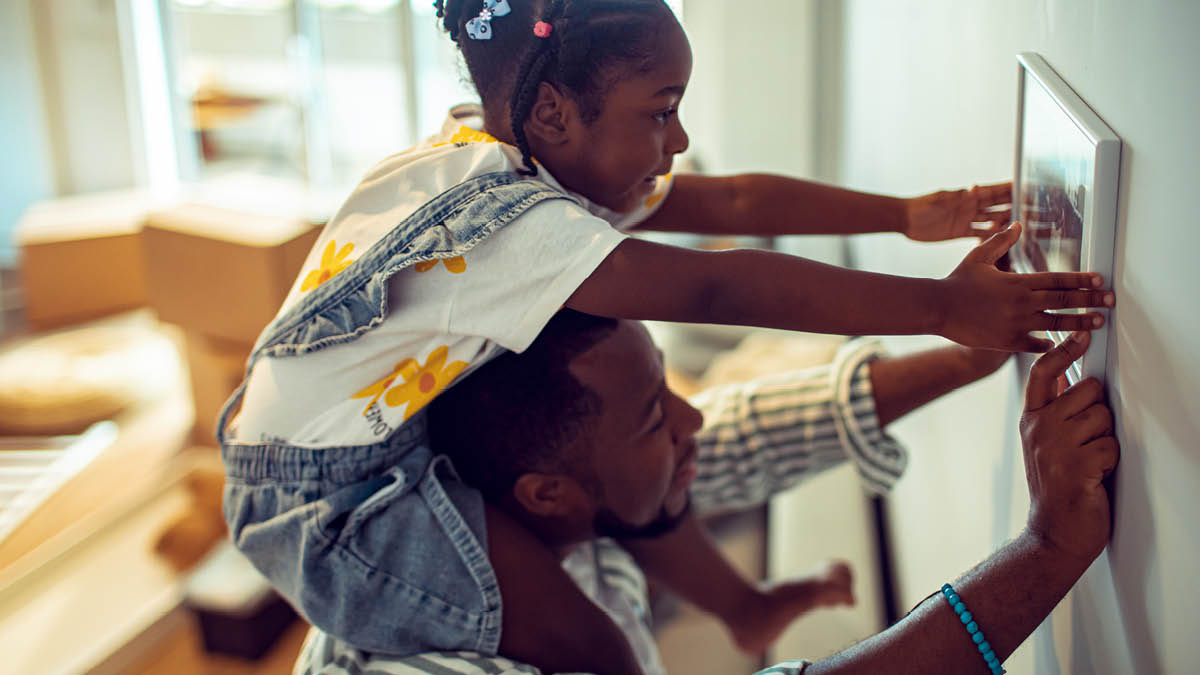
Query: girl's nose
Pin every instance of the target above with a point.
(678, 140)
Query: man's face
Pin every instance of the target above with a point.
(642, 444)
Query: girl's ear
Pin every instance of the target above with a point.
(549, 495)
(550, 119)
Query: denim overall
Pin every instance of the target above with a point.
(379, 545)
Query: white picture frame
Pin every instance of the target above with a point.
(1065, 178)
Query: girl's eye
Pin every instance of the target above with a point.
(664, 115)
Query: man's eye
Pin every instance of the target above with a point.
(664, 115)
(662, 418)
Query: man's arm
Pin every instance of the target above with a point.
(783, 429)
(1009, 595)
(902, 384)
(768, 205)
(1069, 451)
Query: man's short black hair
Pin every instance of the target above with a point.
(517, 413)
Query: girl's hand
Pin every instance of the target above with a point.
(949, 214)
(987, 308)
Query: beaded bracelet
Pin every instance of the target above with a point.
(985, 649)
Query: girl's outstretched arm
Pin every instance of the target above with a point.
(977, 305)
(768, 205)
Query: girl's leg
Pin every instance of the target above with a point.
(688, 562)
(547, 620)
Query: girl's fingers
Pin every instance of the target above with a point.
(995, 246)
(1068, 299)
(1068, 322)
(998, 217)
(1051, 280)
(999, 193)
(985, 229)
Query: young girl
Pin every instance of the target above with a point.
(465, 246)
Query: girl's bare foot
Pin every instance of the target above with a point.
(772, 607)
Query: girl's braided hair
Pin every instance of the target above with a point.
(593, 44)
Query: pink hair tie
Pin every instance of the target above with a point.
(542, 29)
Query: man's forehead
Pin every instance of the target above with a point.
(625, 358)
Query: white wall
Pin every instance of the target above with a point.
(750, 103)
(929, 101)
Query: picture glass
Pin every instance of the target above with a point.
(1056, 170)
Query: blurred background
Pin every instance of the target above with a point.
(167, 164)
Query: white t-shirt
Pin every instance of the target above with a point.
(445, 317)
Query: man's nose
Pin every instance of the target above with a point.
(687, 419)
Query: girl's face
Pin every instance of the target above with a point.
(613, 161)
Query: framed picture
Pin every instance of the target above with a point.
(1068, 162)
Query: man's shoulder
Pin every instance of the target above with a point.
(325, 655)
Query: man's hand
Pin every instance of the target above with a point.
(987, 308)
(950, 214)
(1069, 450)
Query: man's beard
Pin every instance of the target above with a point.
(608, 524)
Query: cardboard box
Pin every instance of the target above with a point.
(222, 273)
(81, 257)
(216, 368)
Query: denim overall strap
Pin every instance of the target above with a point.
(355, 301)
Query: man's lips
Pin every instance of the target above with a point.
(686, 471)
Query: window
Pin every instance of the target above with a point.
(313, 90)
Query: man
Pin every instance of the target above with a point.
(578, 437)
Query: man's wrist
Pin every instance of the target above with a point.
(1055, 557)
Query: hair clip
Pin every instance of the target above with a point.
(542, 29)
(480, 28)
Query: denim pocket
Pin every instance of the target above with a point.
(391, 486)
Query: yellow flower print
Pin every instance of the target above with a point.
(466, 134)
(407, 368)
(456, 265)
(331, 264)
(422, 384)
(658, 192)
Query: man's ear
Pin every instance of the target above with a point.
(548, 495)
(551, 116)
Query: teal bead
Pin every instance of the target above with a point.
(959, 608)
(990, 658)
(946, 589)
(965, 617)
(954, 599)
(977, 638)
(985, 648)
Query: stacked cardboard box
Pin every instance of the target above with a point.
(81, 257)
(217, 272)
(221, 275)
